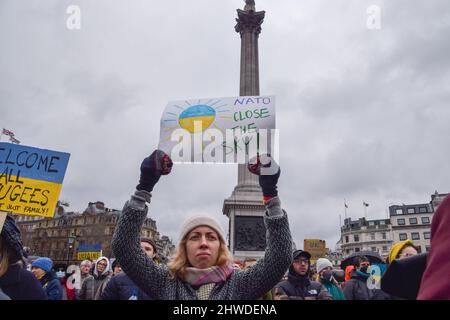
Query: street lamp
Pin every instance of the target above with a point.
(70, 241)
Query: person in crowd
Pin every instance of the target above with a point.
(116, 268)
(16, 282)
(401, 250)
(237, 264)
(68, 285)
(356, 288)
(299, 286)
(202, 266)
(42, 269)
(121, 287)
(435, 282)
(326, 278)
(249, 262)
(93, 286)
(85, 272)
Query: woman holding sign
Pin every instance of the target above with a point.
(202, 267)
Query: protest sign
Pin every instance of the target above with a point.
(218, 130)
(30, 179)
(316, 248)
(89, 251)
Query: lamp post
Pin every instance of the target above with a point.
(70, 241)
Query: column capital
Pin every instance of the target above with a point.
(249, 21)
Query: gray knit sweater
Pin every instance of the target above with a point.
(156, 280)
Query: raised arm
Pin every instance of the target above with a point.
(264, 275)
(126, 241)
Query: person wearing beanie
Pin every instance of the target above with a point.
(42, 269)
(299, 286)
(325, 272)
(16, 282)
(202, 267)
(402, 249)
(94, 285)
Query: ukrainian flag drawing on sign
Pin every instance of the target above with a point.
(89, 251)
(30, 179)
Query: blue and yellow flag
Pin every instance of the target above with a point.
(30, 179)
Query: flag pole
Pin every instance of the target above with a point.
(345, 210)
(365, 210)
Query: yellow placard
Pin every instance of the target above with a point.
(88, 255)
(316, 248)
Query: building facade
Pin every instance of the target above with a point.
(366, 235)
(59, 237)
(407, 221)
(413, 221)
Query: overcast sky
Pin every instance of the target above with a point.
(363, 114)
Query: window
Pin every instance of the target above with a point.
(356, 238)
(412, 220)
(372, 236)
(382, 223)
(385, 248)
(399, 211)
(425, 220)
(419, 249)
(346, 239)
(371, 223)
(415, 236)
(401, 222)
(423, 209)
(427, 248)
(356, 249)
(403, 236)
(411, 210)
(374, 249)
(427, 235)
(384, 235)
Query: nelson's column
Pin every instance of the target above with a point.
(244, 208)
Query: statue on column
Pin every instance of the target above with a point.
(249, 5)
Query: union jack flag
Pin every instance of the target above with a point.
(14, 140)
(7, 132)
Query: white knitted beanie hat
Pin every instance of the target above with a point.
(322, 263)
(197, 221)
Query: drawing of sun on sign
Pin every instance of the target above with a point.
(218, 130)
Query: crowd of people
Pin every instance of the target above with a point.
(203, 268)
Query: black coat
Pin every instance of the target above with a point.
(20, 284)
(302, 288)
(120, 287)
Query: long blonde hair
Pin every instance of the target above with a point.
(180, 262)
(4, 263)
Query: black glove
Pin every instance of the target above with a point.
(157, 164)
(268, 171)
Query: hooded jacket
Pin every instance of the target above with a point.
(356, 288)
(435, 283)
(93, 286)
